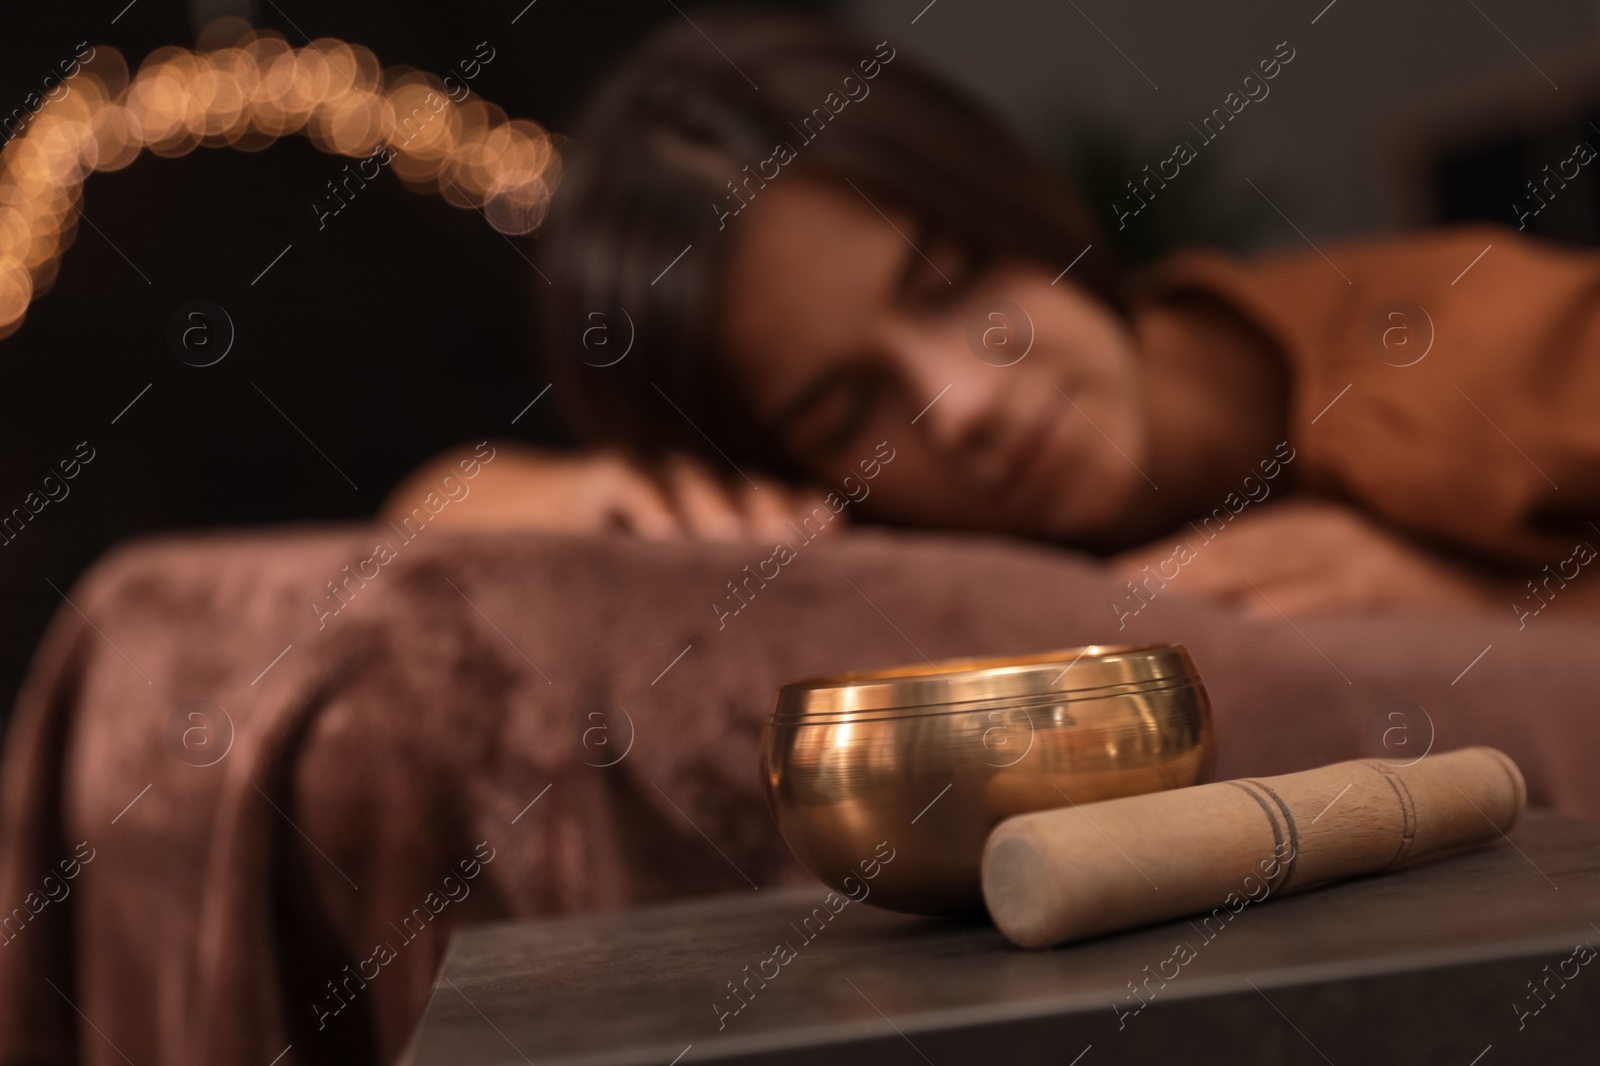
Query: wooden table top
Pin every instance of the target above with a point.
(1483, 954)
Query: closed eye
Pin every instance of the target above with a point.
(832, 413)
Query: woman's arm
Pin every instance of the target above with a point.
(1308, 556)
(598, 491)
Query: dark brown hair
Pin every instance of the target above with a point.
(636, 192)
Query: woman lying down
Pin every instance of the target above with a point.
(851, 290)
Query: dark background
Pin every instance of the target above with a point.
(403, 327)
(407, 325)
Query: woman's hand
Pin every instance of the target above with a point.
(1308, 556)
(597, 491)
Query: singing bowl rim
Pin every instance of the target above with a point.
(953, 685)
(817, 719)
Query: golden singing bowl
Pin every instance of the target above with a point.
(886, 783)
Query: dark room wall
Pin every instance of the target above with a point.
(1316, 142)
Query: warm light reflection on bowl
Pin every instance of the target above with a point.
(928, 759)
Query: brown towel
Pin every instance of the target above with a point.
(232, 909)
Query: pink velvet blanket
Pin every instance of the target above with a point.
(256, 779)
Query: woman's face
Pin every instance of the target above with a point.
(1011, 399)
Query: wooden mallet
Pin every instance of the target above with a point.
(1075, 872)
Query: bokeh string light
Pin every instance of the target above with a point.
(246, 96)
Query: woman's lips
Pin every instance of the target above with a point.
(1032, 453)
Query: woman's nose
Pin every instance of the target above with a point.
(954, 392)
